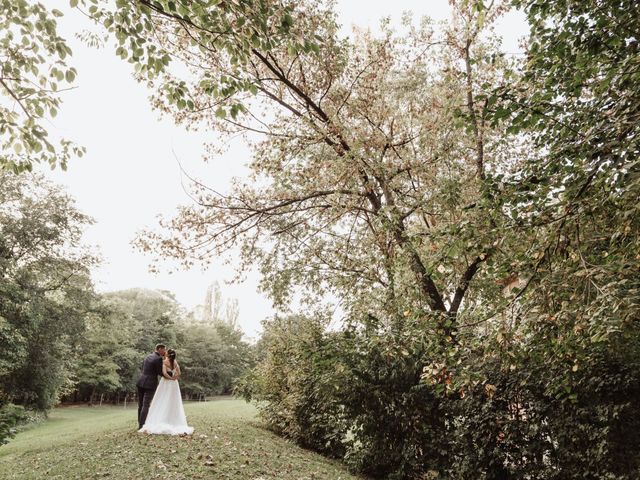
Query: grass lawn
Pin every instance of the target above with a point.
(102, 442)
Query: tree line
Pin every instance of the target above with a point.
(64, 342)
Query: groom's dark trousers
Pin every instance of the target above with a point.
(147, 384)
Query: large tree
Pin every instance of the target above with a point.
(579, 103)
(107, 361)
(359, 188)
(153, 315)
(45, 289)
(213, 357)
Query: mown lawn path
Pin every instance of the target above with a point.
(101, 442)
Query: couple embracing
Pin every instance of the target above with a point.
(160, 409)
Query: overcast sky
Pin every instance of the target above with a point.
(130, 173)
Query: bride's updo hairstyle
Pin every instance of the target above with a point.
(171, 354)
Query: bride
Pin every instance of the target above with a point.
(166, 413)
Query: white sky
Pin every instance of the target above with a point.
(130, 174)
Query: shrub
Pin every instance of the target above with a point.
(294, 384)
(503, 410)
(10, 417)
(398, 423)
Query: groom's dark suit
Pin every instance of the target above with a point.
(147, 384)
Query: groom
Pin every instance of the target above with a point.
(148, 382)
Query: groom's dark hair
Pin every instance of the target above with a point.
(159, 346)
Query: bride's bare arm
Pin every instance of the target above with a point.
(176, 371)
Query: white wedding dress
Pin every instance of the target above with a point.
(166, 413)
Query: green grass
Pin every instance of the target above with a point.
(102, 442)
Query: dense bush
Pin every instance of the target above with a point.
(295, 384)
(398, 424)
(10, 417)
(530, 424)
(375, 397)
